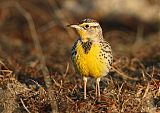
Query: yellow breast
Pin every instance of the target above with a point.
(89, 64)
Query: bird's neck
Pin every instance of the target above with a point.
(86, 46)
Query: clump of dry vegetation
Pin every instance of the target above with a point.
(17, 97)
(36, 73)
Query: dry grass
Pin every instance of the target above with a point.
(17, 97)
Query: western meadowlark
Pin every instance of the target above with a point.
(91, 54)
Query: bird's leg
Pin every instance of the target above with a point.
(97, 87)
(85, 84)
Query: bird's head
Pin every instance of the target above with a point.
(88, 29)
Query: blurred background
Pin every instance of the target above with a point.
(33, 32)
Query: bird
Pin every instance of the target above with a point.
(91, 54)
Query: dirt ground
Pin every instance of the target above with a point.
(36, 72)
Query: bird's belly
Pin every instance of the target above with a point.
(90, 65)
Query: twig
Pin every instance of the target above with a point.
(65, 74)
(158, 90)
(120, 89)
(69, 99)
(146, 91)
(56, 83)
(38, 85)
(143, 75)
(3, 65)
(123, 75)
(24, 106)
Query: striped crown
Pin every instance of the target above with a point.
(88, 21)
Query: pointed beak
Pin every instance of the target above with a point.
(74, 26)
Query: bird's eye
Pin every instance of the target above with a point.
(87, 26)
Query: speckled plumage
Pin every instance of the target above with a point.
(91, 54)
(92, 59)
